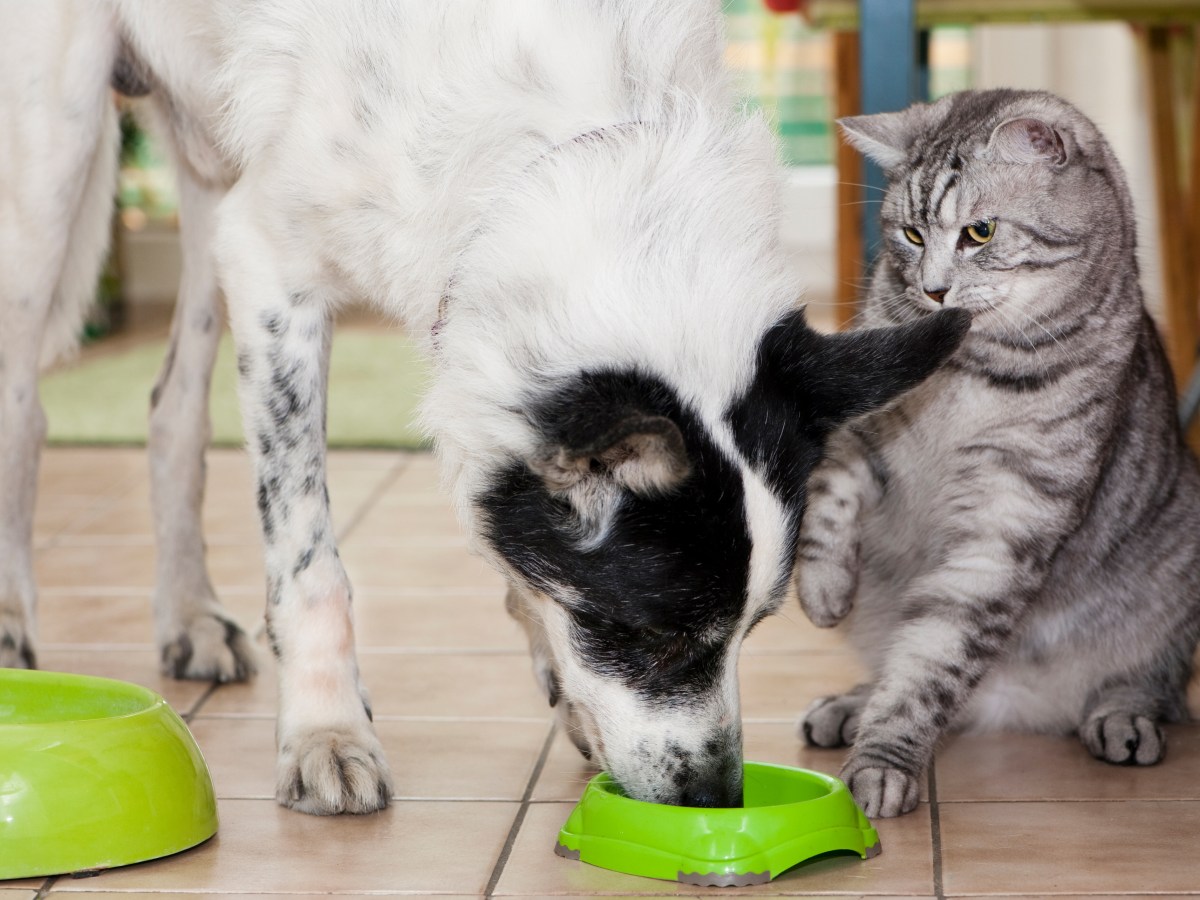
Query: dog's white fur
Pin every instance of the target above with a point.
(572, 175)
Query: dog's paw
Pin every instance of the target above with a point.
(1124, 739)
(211, 647)
(16, 645)
(325, 773)
(882, 792)
(832, 721)
(826, 591)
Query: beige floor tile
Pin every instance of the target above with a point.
(904, 867)
(1074, 848)
(421, 475)
(416, 566)
(781, 686)
(401, 518)
(384, 618)
(1036, 767)
(483, 760)
(17, 893)
(55, 513)
(96, 471)
(202, 895)
(261, 847)
(437, 685)
(83, 567)
(129, 664)
(117, 618)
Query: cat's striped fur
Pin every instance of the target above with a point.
(1016, 543)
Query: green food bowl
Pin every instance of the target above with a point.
(94, 773)
(790, 815)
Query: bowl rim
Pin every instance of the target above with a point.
(601, 783)
(150, 700)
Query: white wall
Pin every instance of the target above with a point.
(1098, 68)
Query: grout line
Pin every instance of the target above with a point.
(935, 831)
(203, 698)
(519, 818)
(47, 885)
(390, 477)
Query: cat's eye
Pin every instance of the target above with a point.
(982, 231)
(914, 236)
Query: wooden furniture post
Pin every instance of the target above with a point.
(849, 193)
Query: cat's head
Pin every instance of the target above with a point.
(997, 201)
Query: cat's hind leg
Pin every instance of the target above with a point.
(833, 721)
(1120, 725)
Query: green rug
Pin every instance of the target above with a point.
(376, 379)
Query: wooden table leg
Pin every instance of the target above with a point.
(849, 194)
(1174, 225)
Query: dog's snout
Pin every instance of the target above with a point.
(719, 785)
(716, 795)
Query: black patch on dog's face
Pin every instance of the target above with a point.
(656, 601)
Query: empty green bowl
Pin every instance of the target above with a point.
(94, 773)
(790, 815)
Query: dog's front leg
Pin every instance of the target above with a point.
(330, 760)
(196, 636)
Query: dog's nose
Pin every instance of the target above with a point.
(937, 296)
(720, 787)
(712, 796)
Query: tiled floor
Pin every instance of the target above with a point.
(482, 780)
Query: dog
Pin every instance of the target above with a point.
(564, 205)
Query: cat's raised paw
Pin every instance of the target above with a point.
(1124, 739)
(882, 792)
(826, 591)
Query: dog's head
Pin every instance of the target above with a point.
(645, 537)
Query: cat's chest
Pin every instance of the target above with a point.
(951, 438)
(944, 418)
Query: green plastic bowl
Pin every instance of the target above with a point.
(790, 815)
(94, 773)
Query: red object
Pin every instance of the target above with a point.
(783, 6)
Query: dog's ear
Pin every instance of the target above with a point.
(837, 377)
(643, 453)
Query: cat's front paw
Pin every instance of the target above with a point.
(826, 591)
(833, 721)
(881, 791)
(1124, 739)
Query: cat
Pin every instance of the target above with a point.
(1016, 543)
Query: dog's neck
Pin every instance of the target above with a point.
(595, 134)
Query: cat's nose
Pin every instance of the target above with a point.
(937, 296)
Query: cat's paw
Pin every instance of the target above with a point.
(832, 721)
(826, 591)
(1124, 739)
(882, 792)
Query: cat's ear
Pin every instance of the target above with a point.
(840, 376)
(1027, 141)
(885, 137)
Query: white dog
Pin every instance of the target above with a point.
(562, 202)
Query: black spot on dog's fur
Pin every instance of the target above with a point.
(661, 595)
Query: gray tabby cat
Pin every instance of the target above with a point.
(1016, 543)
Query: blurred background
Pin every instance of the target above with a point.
(1128, 64)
